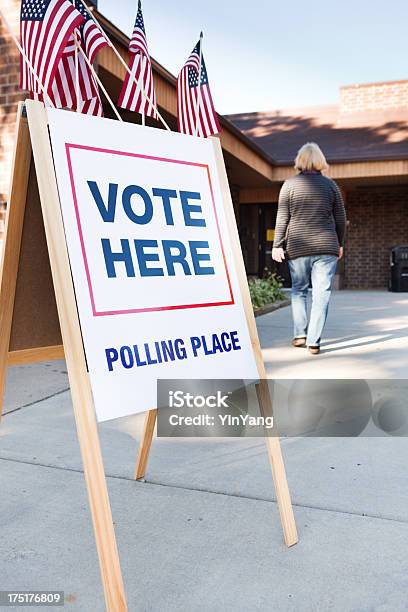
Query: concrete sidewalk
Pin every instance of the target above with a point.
(203, 533)
(366, 336)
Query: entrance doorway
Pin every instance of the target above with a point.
(257, 229)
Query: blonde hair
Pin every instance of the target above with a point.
(310, 157)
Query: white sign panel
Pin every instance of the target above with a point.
(152, 264)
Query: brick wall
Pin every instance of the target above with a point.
(9, 97)
(373, 96)
(378, 220)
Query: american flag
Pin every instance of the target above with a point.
(193, 96)
(91, 40)
(45, 27)
(134, 96)
(92, 37)
(63, 93)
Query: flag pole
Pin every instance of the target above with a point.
(198, 104)
(27, 61)
(115, 110)
(76, 73)
(142, 92)
(122, 61)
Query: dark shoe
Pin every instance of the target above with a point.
(299, 342)
(314, 350)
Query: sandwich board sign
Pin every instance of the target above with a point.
(152, 262)
(121, 244)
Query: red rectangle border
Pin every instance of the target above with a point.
(96, 313)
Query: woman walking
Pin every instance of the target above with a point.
(310, 230)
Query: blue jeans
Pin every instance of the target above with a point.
(320, 269)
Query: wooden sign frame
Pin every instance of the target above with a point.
(35, 278)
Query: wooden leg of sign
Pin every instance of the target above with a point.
(282, 491)
(145, 444)
(278, 468)
(75, 358)
(12, 240)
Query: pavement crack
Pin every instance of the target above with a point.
(38, 401)
(212, 492)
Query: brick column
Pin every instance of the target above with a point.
(339, 280)
(10, 95)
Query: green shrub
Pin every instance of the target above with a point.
(266, 290)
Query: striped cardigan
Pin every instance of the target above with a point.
(311, 216)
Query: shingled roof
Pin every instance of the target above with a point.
(343, 136)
